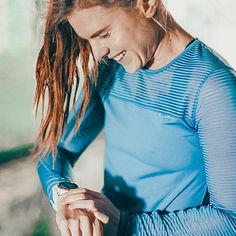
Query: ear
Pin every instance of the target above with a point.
(149, 7)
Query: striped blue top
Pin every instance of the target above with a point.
(170, 145)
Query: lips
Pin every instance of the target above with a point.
(119, 56)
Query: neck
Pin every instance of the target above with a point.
(169, 46)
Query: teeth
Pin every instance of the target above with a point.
(119, 56)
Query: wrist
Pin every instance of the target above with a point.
(60, 189)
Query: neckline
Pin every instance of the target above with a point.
(187, 48)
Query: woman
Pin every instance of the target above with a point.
(167, 104)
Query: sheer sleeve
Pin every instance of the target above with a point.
(216, 127)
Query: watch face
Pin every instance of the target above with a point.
(67, 185)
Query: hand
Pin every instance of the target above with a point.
(97, 204)
(77, 222)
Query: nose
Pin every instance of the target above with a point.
(99, 50)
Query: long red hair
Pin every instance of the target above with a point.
(57, 72)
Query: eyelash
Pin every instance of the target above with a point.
(106, 35)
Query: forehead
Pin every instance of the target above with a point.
(87, 21)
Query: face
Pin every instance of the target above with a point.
(125, 36)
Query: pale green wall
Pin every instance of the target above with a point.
(18, 46)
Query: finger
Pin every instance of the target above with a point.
(97, 228)
(101, 216)
(61, 220)
(90, 206)
(73, 225)
(85, 191)
(68, 199)
(63, 227)
(71, 197)
(86, 225)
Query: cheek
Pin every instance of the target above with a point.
(122, 37)
(117, 43)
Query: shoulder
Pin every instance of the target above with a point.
(216, 101)
(220, 81)
(215, 71)
(210, 57)
(202, 61)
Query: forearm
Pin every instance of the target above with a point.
(49, 176)
(204, 221)
(72, 144)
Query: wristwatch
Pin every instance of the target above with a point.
(60, 189)
(64, 187)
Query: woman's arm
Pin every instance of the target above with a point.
(71, 144)
(216, 121)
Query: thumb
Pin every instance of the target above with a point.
(101, 216)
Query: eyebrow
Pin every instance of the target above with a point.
(99, 32)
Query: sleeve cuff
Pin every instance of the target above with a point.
(54, 199)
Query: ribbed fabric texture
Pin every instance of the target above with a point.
(170, 138)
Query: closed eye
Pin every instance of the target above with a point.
(105, 35)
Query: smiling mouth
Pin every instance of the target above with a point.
(120, 56)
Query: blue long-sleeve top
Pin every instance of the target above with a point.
(170, 145)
